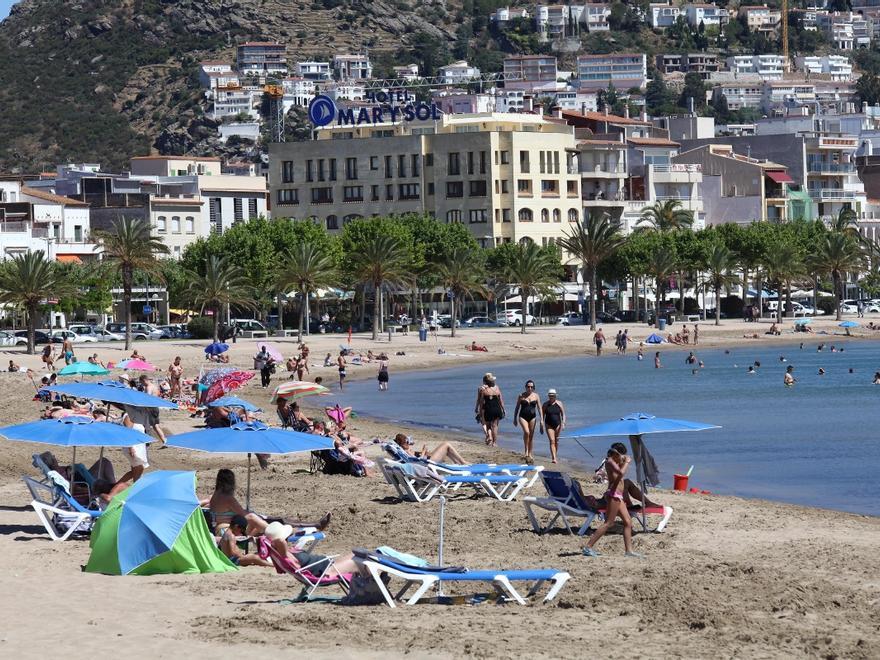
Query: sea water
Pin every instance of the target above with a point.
(815, 443)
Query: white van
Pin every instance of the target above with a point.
(250, 325)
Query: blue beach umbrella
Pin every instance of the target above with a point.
(113, 392)
(83, 369)
(848, 324)
(636, 425)
(250, 438)
(234, 402)
(654, 339)
(216, 348)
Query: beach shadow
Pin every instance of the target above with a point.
(19, 509)
(6, 530)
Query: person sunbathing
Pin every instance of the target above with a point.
(229, 544)
(773, 330)
(752, 336)
(442, 453)
(477, 347)
(277, 534)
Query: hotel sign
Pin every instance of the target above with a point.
(383, 107)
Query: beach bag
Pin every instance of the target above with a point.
(364, 591)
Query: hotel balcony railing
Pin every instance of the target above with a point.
(13, 227)
(832, 193)
(819, 168)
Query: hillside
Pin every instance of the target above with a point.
(102, 80)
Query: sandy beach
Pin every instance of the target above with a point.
(728, 578)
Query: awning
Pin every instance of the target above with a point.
(68, 258)
(779, 177)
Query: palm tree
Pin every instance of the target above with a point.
(592, 242)
(661, 265)
(720, 263)
(782, 264)
(222, 284)
(666, 216)
(461, 274)
(838, 254)
(534, 271)
(27, 280)
(308, 267)
(846, 222)
(381, 260)
(130, 247)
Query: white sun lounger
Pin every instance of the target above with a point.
(412, 484)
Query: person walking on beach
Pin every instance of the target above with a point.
(599, 340)
(616, 466)
(340, 366)
(490, 408)
(383, 375)
(525, 415)
(264, 362)
(47, 357)
(175, 373)
(696, 333)
(624, 341)
(554, 421)
(617, 340)
(67, 351)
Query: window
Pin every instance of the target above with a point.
(431, 188)
(541, 163)
(374, 193)
(332, 222)
(556, 162)
(429, 160)
(549, 187)
(285, 196)
(505, 157)
(310, 170)
(524, 187)
(497, 215)
(453, 216)
(374, 163)
(454, 189)
(545, 215)
(388, 169)
(470, 162)
(504, 186)
(525, 215)
(175, 224)
(252, 208)
(350, 217)
(524, 162)
(573, 215)
(415, 165)
(287, 171)
(389, 191)
(477, 189)
(505, 215)
(353, 194)
(237, 210)
(333, 169)
(571, 187)
(161, 223)
(479, 215)
(557, 215)
(351, 168)
(482, 162)
(322, 195)
(321, 174)
(190, 225)
(177, 252)
(401, 166)
(215, 212)
(453, 166)
(408, 191)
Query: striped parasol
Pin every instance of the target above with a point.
(297, 389)
(226, 383)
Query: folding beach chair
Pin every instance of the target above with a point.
(566, 499)
(62, 515)
(420, 483)
(418, 572)
(329, 577)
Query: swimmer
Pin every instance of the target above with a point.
(802, 345)
(757, 364)
(876, 380)
(851, 370)
(821, 371)
(819, 348)
(789, 380)
(751, 370)
(782, 358)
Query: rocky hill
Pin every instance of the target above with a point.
(102, 80)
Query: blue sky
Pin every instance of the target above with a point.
(4, 7)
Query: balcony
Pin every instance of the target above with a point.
(833, 193)
(13, 227)
(830, 168)
(599, 171)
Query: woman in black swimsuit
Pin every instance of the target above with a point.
(526, 416)
(490, 408)
(554, 421)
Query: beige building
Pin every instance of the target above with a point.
(508, 177)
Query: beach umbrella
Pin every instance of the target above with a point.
(113, 392)
(635, 426)
(229, 381)
(848, 324)
(297, 389)
(272, 350)
(234, 402)
(135, 364)
(83, 369)
(216, 348)
(155, 526)
(250, 438)
(804, 321)
(654, 339)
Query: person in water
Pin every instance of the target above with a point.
(526, 416)
(554, 421)
(789, 380)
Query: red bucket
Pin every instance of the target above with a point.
(679, 482)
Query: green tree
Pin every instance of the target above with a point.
(220, 284)
(27, 280)
(534, 270)
(694, 88)
(837, 255)
(720, 264)
(130, 248)
(783, 263)
(592, 243)
(661, 265)
(381, 260)
(868, 88)
(666, 216)
(461, 273)
(308, 267)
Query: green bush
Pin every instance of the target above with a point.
(828, 305)
(201, 327)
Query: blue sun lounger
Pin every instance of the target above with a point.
(426, 577)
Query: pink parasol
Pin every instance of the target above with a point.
(136, 364)
(272, 350)
(226, 383)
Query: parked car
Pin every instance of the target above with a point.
(175, 332)
(849, 307)
(514, 317)
(8, 339)
(40, 337)
(59, 336)
(481, 322)
(139, 331)
(250, 325)
(445, 321)
(571, 318)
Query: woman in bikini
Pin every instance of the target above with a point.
(615, 468)
(554, 421)
(490, 408)
(175, 373)
(525, 415)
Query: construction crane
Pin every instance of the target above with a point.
(275, 93)
(438, 81)
(785, 65)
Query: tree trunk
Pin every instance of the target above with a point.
(717, 305)
(788, 296)
(31, 328)
(524, 301)
(745, 285)
(836, 277)
(635, 301)
(815, 295)
(216, 322)
(302, 310)
(376, 311)
(760, 287)
(127, 277)
(280, 303)
(593, 299)
(308, 311)
(452, 316)
(681, 293)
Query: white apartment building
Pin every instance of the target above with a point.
(530, 68)
(760, 18)
(507, 177)
(663, 14)
(846, 30)
(623, 70)
(577, 100)
(504, 14)
(345, 91)
(312, 70)
(603, 166)
(298, 92)
(766, 67)
(261, 58)
(553, 21)
(595, 17)
(740, 95)
(457, 73)
(509, 100)
(779, 96)
(835, 67)
(232, 100)
(407, 72)
(460, 102)
(211, 72)
(708, 15)
(352, 67)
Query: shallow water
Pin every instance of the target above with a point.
(814, 444)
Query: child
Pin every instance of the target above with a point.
(641, 354)
(616, 466)
(229, 544)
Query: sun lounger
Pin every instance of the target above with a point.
(61, 515)
(420, 483)
(328, 578)
(566, 499)
(426, 577)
